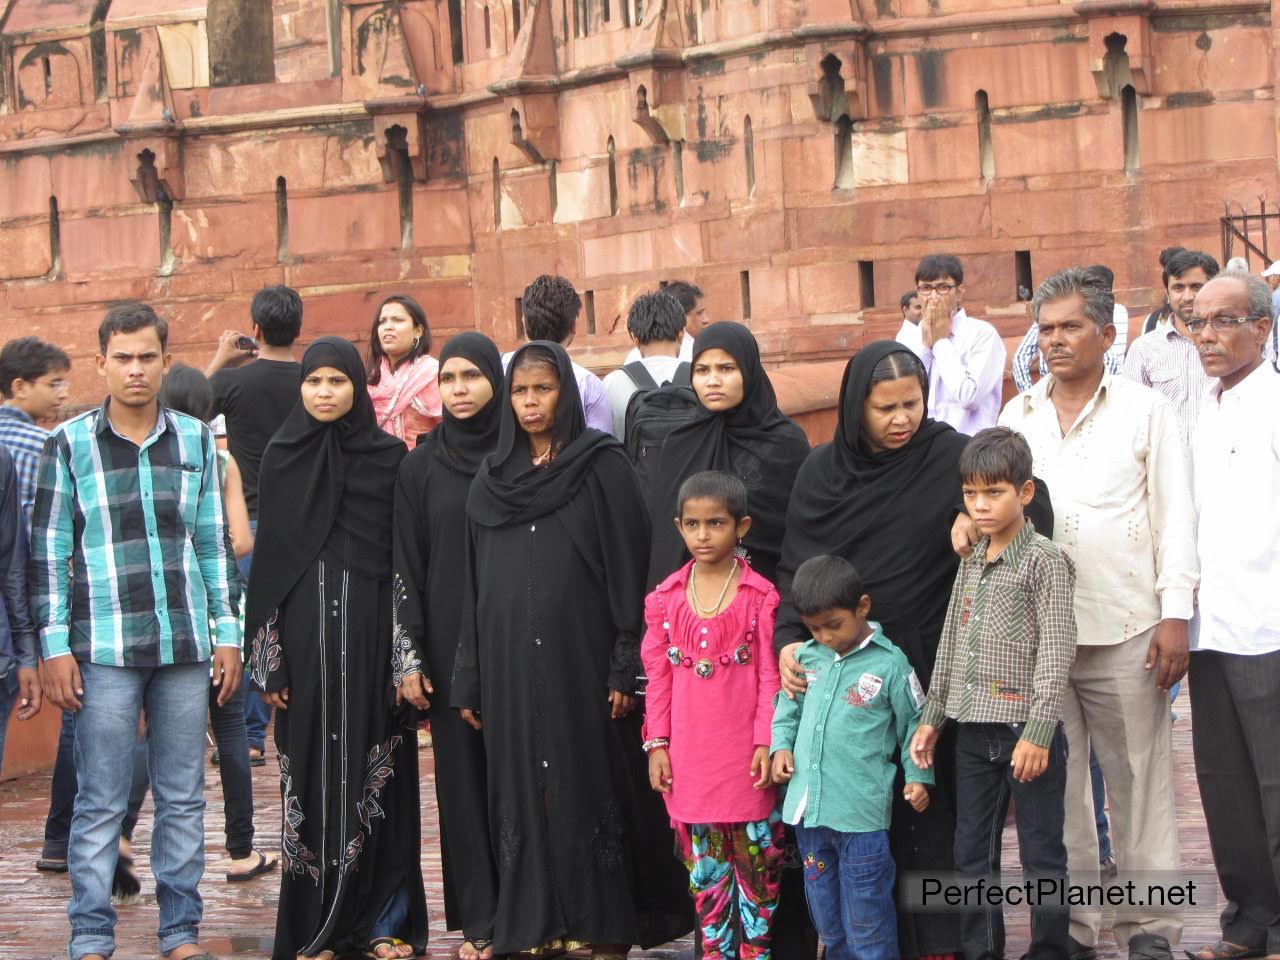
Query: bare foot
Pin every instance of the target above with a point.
(184, 951)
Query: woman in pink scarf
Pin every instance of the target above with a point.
(403, 376)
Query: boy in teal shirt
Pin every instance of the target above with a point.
(831, 744)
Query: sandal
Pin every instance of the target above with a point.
(1223, 950)
(46, 865)
(265, 864)
(479, 945)
(376, 945)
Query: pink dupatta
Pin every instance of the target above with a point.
(407, 400)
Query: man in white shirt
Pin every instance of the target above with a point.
(654, 323)
(693, 303)
(964, 356)
(1235, 667)
(1165, 359)
(1111, 452)
(1028, 351)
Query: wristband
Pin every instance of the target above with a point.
(657, 743)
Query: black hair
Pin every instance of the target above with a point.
(420, 349)
(537, 357)
(895, 366)
(1168, 253)
(130, 318)
(29, 358)
(1185, 260)
(550, 306)
(188, 391)
(905, 300)
(686, 293)
(940, 266)
(655, 316)
(724, 488)
(996, 455)
(826, 583)
(1106, 276)
(277, 312)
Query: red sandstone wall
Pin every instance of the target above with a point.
(878, 164)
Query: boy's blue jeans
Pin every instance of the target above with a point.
(176, 702)
(984, 784)
(8, 696)
(848, 881)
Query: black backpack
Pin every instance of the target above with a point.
(653, 412)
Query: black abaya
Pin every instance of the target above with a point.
(429, 544)
(553, 619)
(319, 613)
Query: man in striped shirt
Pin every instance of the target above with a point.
(131, 565)
(33, 380)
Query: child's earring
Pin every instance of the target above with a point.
(740, 551)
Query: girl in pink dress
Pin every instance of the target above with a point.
(403, 376)
(707, 652)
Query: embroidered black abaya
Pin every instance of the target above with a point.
(429, 544)
(553, 619)
(890, 515)
(319, 614)
(755, 441)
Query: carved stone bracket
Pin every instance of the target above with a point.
(658, 96)
(157, 176)
(396, 136)
(535, 125)
(1130, 19)
(837, 85)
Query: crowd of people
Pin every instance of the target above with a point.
(682, 672)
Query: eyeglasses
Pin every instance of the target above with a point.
(941, 288)
(56, 384)
(1220, 324)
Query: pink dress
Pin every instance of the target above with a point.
(710, 692)
(407, 401)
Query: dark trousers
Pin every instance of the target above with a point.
(984, 785)
(62, 793)
(257, 712)
(1235, 715)
(233, 767)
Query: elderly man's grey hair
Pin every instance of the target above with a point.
(1099, 301)
(1260, 302)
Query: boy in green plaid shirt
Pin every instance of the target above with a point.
(1007, 647)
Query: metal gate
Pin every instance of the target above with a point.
(1249, 235)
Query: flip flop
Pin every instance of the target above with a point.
(264, 865)
(51, 866)
(371, 950)
(1223, 950)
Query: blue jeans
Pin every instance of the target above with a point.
(176, 705)
(8, 694)
(257, 713)
(848, 881)
(1100, 808)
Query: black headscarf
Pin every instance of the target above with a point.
(508, 488)
(755, 441)
(462, 444)
(311, 473)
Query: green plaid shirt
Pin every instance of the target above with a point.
(1009, 639)
(130, 557)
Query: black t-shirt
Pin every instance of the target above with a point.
(255, 399)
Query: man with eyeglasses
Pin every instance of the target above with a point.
(1235, 663)
(1166, 359)
(964, 356)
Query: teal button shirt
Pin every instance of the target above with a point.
(859, 710)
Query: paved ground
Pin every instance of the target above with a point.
(239, 919)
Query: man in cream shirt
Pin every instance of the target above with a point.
(1111, 452)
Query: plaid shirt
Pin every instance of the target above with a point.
(1009, 639)
(142, 528)
(25, 442)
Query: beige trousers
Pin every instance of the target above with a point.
(1111, 702)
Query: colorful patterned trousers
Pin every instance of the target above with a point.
(735, 870)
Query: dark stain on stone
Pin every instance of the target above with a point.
(711, 68)
(1191, 23)
(445, 145)
(882, 77)
(1055, 111)
(885, 8)
(760, 56)
(701, 121)
(1060, 38)
(1190, 98)
(931, 121)
(931, 70)
(645, 162)
(1204, 42)
(711, 151)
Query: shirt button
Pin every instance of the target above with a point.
(828, 696)
(333, 736)
(533, 527)
(819, 728)
(333, 863)
(704, 643)
(705, 631)
(537, 641)
(815, 766)
(545, 763)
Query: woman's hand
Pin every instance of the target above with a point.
(277, 698)
(621, 703)
(414, 688)
(660, 770)
(793, 679)
(964, 534)
(761, 771)
(472, 717)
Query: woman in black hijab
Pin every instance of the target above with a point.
(428, 543)
(547, 667)
(739, 430)
(883, 494)
(319, 613)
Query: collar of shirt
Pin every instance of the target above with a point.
(1012, 551)
(104, 424)
(1252, 387)
(877, 637)
(16, 412)
(1170, 330)
(1040, 394)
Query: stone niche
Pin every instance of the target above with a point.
(56, 52)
